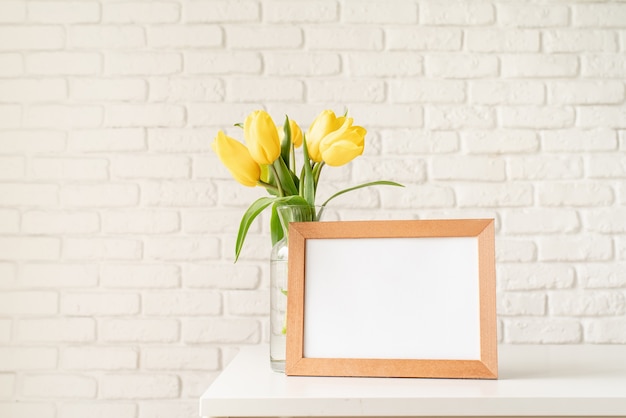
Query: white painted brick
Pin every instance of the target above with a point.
(426, 91)
(577, 303)
(602, 276)
(31, 248)
(603, 15)
(607, 331)
(220, 62)
(263, 37)
(399, 169)
(61, 116)
(579, 41)
(462, 66)
(456, 13)
(47, 222)
(187, 248)
(98, 304)
(578, 248)
(271, 89)
(495, 92)
(138, 330)
(22, 90)
(99, 358)
(56, 330)
(7, 386)
(302, 64)
(5, 330)
(171, 194)
(12, 11)
(579, 140)
(27, 358)
(144, 276)
(387, 115)
(604, 65)
(542, 331)
(142, 63)
(522, 304)
(11, 64)
(69, 169)
(423, 38)
(12, 168)
(472, 168)
(545, 168)
(180, 358)
(175, 409)
(497, 40)
(107, 140)
(602, 116)
(12, 194)
(307, 11)
(347, 38)
(9, 221)
(575, 194)
(606, 220)
(337, 91)
(19, 38)
(55, 276)
(539, 66)
(140, 222)
(536, 276)
(223, 330)
(248, 303)
(214, 276)
(488, 194)
(141, 12)
(200, 114)
(182, 303)
(100, 409)
(8, 274)
(106, 37)
(187, 36)
(99, 90)
(139, 386)
(533, 15)
(150, 167)
(195, 89)
(220, 11)
(153, 115)
(586, 92)
(101, 195)
(101, 249)
(194, 384)
(460, 117)
(30, 142)
(214, 221)
(25, 409)
(173, 140)
(395, 64)
(64, 11)
(402, 142)
(541, 221)
(500, 141)
(64, 63)
(10, 116)
(606, 166)
(59, 386)
(428, 197)
(537, 117)
(371, 11)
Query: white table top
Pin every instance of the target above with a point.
(535, 380)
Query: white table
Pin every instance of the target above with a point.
(575, 380)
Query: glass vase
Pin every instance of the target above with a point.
(278, 280)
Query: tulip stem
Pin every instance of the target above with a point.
(268, 186)
(279, 187)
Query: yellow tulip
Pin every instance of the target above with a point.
(325, 123)
(296, 133)
(343, 145)
(236, 157)
(261, 136)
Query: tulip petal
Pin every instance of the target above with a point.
(261, 137)
(341, 152)
(236, 157)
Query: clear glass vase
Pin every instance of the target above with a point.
(278, 280)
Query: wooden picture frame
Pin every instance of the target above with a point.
(392, 299)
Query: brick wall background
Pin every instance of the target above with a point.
(118, 293)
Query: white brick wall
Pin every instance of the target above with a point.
(118, 293)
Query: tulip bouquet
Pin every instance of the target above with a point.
(268, 160)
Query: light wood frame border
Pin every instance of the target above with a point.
(484, 368)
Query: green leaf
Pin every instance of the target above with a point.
(307, 183)
(285, 177)
(374, 183)
(240, 125)
(276, 229)
(285, 146)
